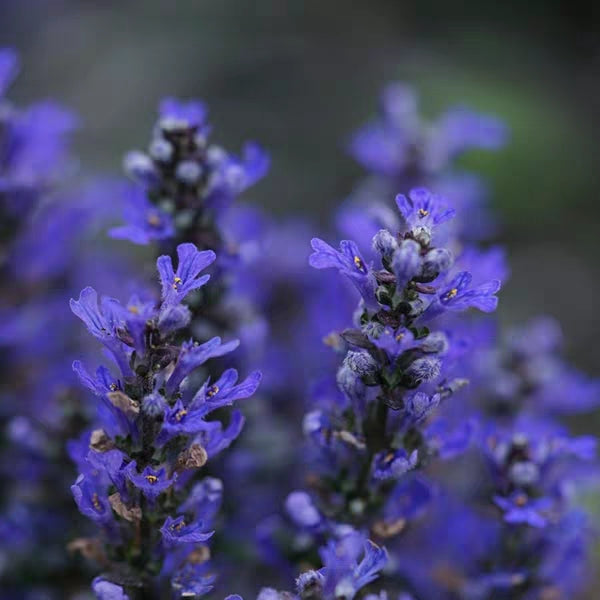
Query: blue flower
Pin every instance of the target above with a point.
(216, 439)
(193, 580)
(423, 210)
(91, 500)
(301, 509)
(409, 499)
(192, 355)
(110, 463)
(145, 222)
(150, 482)
(182, 420)
(344, 574)
(204, 499)
(458, 295)
(461, 129)
(234, 175)
(101, 384)
(106, 590)
(392, 465)
(399, 144)
(134, 317)
(224, 391)
(36, 152)
(176, 532)
(102, 323)
(176, 285)
(448, 440)
(348, 261)
(518, 508)
(385, 146)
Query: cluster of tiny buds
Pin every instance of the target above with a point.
(179, 155)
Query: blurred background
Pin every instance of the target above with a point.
(300, 76)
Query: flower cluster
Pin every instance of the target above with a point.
(536, 469)
(399, 144)
(526, 532)
(372, 434)
(349, 564)
(183, 192)
(401, 150)
(138, 467)
(186, 184)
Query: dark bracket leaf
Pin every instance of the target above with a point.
(357, 338)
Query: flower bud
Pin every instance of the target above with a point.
(435, 262)
(435, 342)
(362, 363)
(215, 155)
(524, 473)
(173, 124)
(161, 150)
(406, 262)
(349, 382)
(423, 370)
(188, 172)
(422, 235)
(373, 329)
(140, 166)
(301, 509)
(419, 405)
(310, 585)
(153, 405)
(384, 243)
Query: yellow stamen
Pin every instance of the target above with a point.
(178, 526)
(154, 220)
(333, 340)
(212, 391)
(423, 212)
(152, 479)
(113, 387)
(96, 502)
(521, 500)
(176, 282)
(133, 309)
(180, 414)
(451, 294)
(359, 263)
